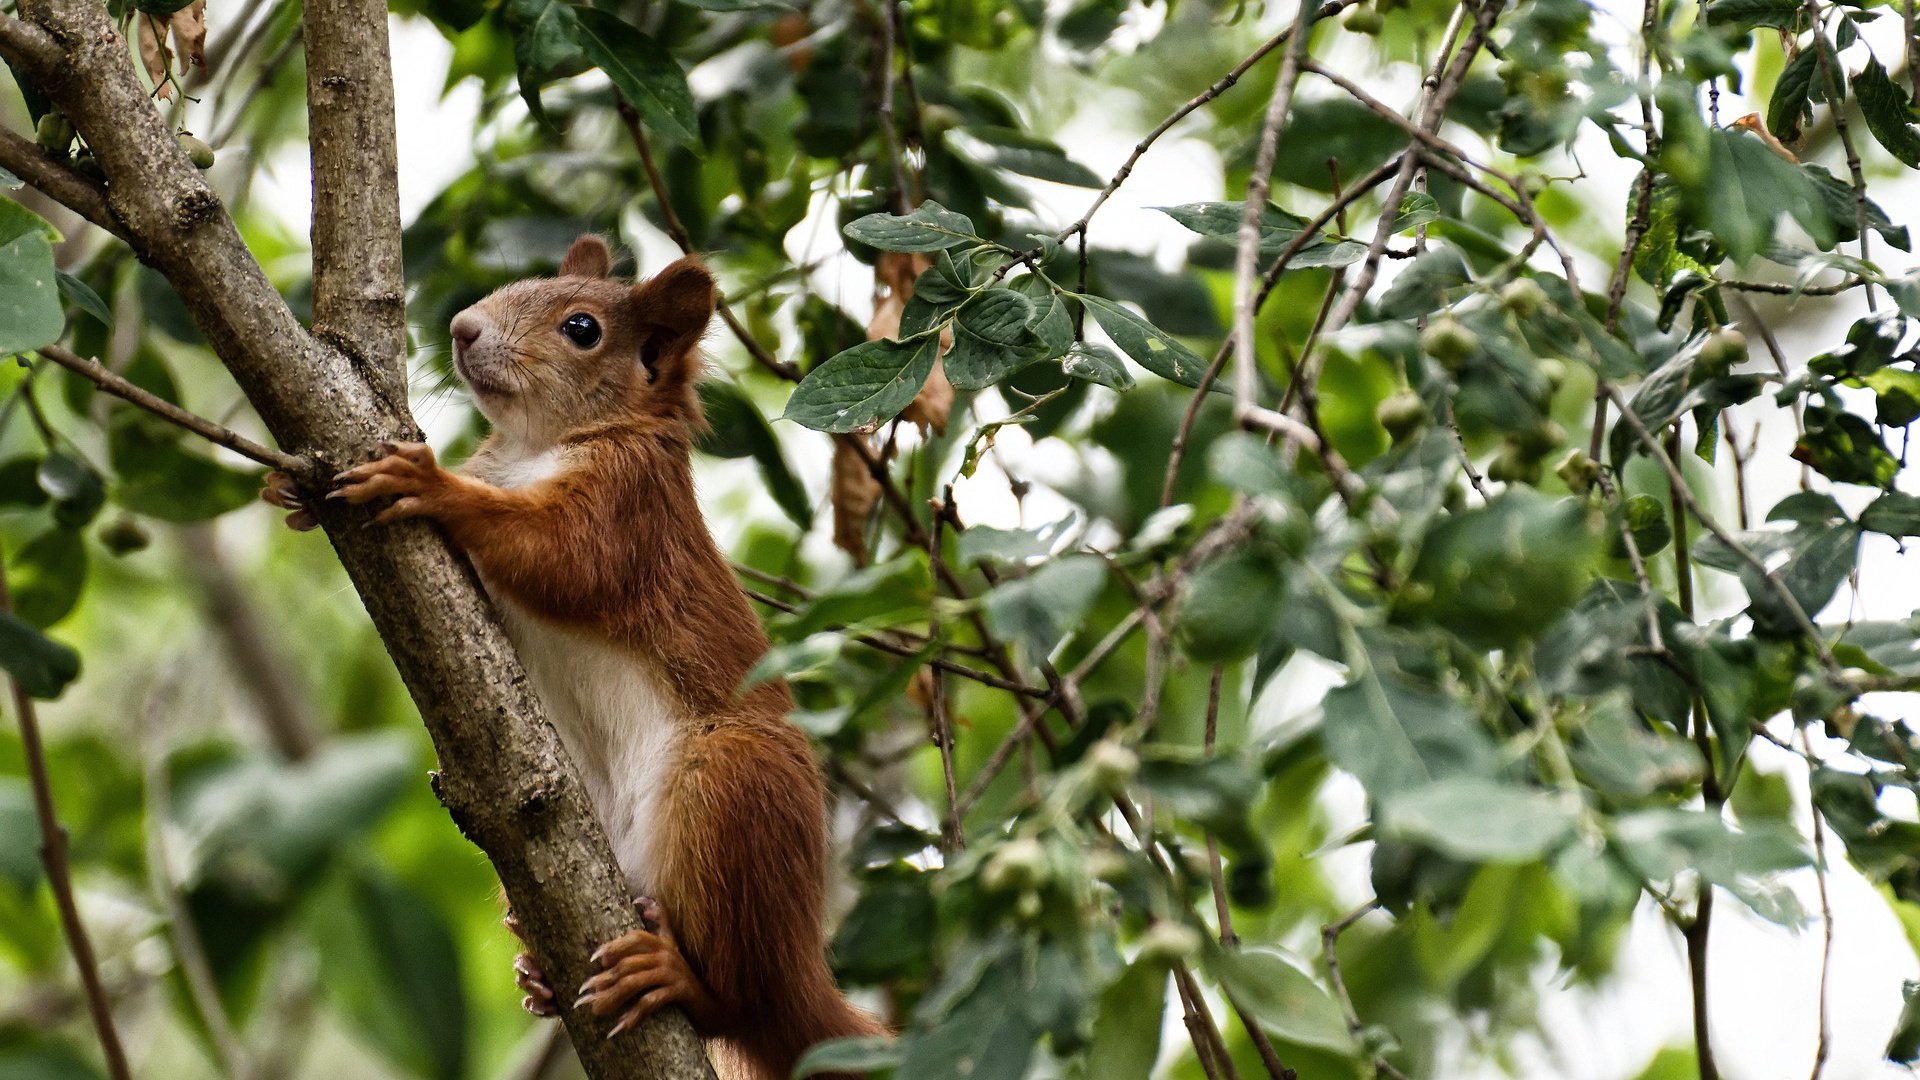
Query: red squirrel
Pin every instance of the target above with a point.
(579, 513)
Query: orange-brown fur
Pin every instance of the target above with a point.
(612, 544)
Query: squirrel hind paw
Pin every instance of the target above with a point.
(533, 983)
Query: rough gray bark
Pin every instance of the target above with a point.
(329, 396)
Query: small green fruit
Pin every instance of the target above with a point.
(124, 536)
(1449, 341)
(1723, 348)
(197, 152)
(1018, 865)
(1364, 20)
(1403, 414)
(1644, 511)
(1512, 465)
(89, 166)
(54, 133)
(1169, 942)
(1553, 372)
(1524, 297)
(1540, 439)
(1113, 764)
(1578, 471)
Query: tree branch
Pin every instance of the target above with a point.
(504, 776)
(53, 854)
(96, 373)
(359, 295)
(23, 158)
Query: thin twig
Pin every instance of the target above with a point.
(1685, 494)
(95, 372)
(1220, 86)
(873, 641)
(188, 951)
(53, 855)
(678, 233)
(1824, 1046)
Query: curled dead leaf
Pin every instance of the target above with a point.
(853, 495)
(190, 33)
(151, 36)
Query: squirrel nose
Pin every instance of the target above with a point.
(466, 330)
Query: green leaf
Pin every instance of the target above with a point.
(932, 227)
(888, 593)
(1097, 364)
(1896, 395)
(1015, 151)
(77, 491)
(977, 1031)
(868, 383)
(1416, 209)
(884, 937)
(1481, 820)
(43, 667)
(1889, 114)
(858, 1054)
(991, 340)
(1903, 1045)
(1500, 573)
(30, 311)
(1048, 604)
(1126, 1034)
(1149, 346)
(46, 576)
(19, 835)
(981, 543)
(161, 478)
(1841, 446)
(37, 1057)
(1662, 843)
(1751, 187)
(391, 963)
(1790, 106)
(1395, 735)
(1278, 228)
(739, 430)
(646, 75)
(1284, 999)
(1747, 14)
(1230, 605)
(1895, 513)
(84, 297)
(545, 45)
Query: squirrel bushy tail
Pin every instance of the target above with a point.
(769, 1048)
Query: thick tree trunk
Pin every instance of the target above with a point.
(329, 396)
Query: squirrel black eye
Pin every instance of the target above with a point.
(582, 330)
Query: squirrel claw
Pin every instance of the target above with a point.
(643, 971)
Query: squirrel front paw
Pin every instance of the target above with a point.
(643, 970)
(278, 489)
(406, 471)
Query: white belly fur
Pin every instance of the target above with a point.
(613, 709)
(615, 715)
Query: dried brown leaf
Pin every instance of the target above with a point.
(853, 494)
(154, 55)
(190, 33)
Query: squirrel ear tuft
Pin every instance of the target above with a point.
(674, 307)
(588, 257)
(677, 302)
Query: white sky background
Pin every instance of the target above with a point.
(1763, 977)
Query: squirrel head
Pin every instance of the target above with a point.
(550, 355)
